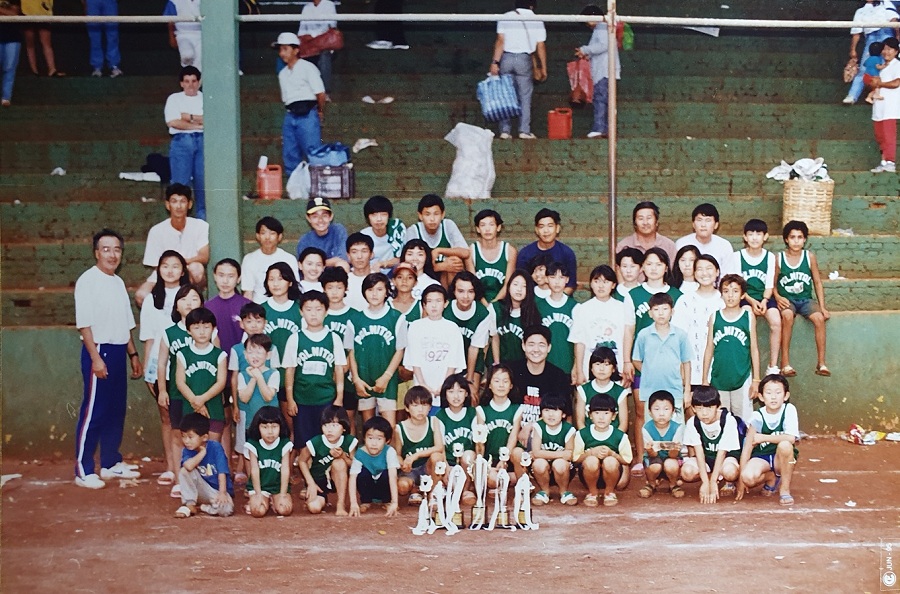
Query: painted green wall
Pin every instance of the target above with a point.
(41, 385)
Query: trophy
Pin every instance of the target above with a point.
(522, 500)
(479, 473)
(456, 484)
(439, 496)
(500, 517)
(426, 522)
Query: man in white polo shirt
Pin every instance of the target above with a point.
(184, 117)
(186, 235)
(516, 41)
(303, 95)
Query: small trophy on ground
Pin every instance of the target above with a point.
(439, 497)
(426, 521)
(522, 500)
(479, 473)
(456, 484)
(500, 517)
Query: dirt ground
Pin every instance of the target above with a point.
(59, 538)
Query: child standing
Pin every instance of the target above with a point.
(552, 442)
(693, 310)
(334, 281)
(757, 265)
(714, 437)
(386, 232)
(434, 345)
(683, 270)
(377, 341)
(537, 268)
(605, 379)
(597, 322)
(474, 320)
(556, 314)
(359, 253)
(628, 270)
(204, 476)
(325, 461)
(449, 250)
(731, 357)
(311, 263)
(494, 260)
(315, 366)
(373, 474)
(268, 449)
(257, 385)
(417, 441)
(770, 452)
(798, 275)
(602, 453)
(404, 277)
(202, 370)
(282, 315)
(501, 415)
(662, 446)
(269, 235)
(516, 311)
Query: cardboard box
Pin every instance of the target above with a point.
(332, 182)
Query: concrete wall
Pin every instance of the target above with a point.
(41, 385)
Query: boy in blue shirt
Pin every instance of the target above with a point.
(373, 473)
(662, 446)
(204, 476)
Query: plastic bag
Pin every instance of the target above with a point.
(580, 82)
(473, 169)
(299, 184)
(498, 98)
(333, 155)
(627, 43)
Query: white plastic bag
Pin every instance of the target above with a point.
(473, 170)
(299, 185)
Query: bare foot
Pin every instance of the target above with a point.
(342, 513)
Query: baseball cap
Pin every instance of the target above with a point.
(404, 266)
(287, 38)
(317, 204)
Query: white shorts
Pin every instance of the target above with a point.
(376, 403)
(738, 401)
(240, 433)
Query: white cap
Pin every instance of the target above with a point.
(287, 38)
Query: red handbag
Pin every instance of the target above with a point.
(310, 46)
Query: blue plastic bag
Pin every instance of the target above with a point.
(498, 99)
(333, 155)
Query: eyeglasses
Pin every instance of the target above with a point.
(110, 250)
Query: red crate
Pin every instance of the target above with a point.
(332, 182)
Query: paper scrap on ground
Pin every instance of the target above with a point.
(149, 176)
(8, 477)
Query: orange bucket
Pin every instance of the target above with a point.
(268, 182)
(559, 123)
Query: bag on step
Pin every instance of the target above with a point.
(498, 98)
(333, 155)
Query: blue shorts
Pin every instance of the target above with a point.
(804, 307)
(770, 303)
(636, 382)
(415, 474)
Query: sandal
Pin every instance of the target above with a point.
(184, 512)
(166, 478)
(677, 492)
(637, 470)
(56, 74)
(823, 371)
(727, 490)
(788, 371)
(175, 492)
(414, 499)
(610, 500)
(786, 499)
(646, 491)
(591, 501)
(768, 491)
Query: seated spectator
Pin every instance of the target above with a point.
(325, 234)
(186, 235)
(705, 220)
(449, 250)
(547, 228)
(645, 219)
(387, 233)
(269, 233)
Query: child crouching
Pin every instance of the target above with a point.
(603, 453)
(417, 439)
(715, 439)
(268, 448)
(204, 476)
(373, 474)
(662, 446)
(325, 461)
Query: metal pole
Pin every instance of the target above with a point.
(612, 118)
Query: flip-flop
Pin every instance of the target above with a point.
(768, 491)
(823, 371)
(183, 512)
(786, 499)
(166, 478)
(788, 371)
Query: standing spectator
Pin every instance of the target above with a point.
(325, 234)
(10, 46)
(319, 8)
(40, 8)
(185, 37)
(303, 95)
(96, 32)
(886, 112)
(104, 319)
(516, 41)
(597, 51)
(874, 11)
(184, 117)
(705, 221)
(389, 34)
(645, 219)
(186, 235)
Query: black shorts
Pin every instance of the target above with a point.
(351, 398)
(601, 484)
(323, 483)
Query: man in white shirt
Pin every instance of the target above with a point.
(104, 319)
(516, 41)
(873, 11)
(186, 235)
(184, 117)
(269, 233)
(319, 9)
(185, 37)
(303, 95)
(705, 220)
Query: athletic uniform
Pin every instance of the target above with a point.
(336, 321)
(718, 435)
(585, 392)
(200, 372)
(782, 426)
(757, 274)
(456, 430)
(511, 333)
(418, 231)
(558, 318)
(475, 329)
(731, 365)
(555, 442)
(269, 459)
(376, 338)
(176, 338)
(320, 464)
(412, 447)
(491, 274)
(613, 438)
(282, 320)
(500, 424)
(796, 284)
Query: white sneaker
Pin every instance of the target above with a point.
(119, 471)
(885, 167)
(97, 73)
(527, 136)
(368, 99)
(597, 135)
(772, 370)
(115, 73)
(848, 100)
(505, 136)
(401, 46)
(380, 45)
(209, 509)
(91, 481)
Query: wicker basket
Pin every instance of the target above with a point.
(810, 202)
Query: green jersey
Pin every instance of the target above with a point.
(315, 358)
(269, 458)
(443, 242)
(375, 342)
(731, 365)
(591, 441)
(640, 298)
(396, 231)
(336, 321)
(555, 442)
(755, 274)
(592, 388)
(412, 447)
(558, 318)
(320, 450)
(280, 325)
(500, 424)
(177, 338)
(511, 334)
(492, 274)
(795, 282)
(473, 328)
(201, 370)
(456, 431)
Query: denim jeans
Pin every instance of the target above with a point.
(521, 69)
(96, 31)
(186, 161)
(323, 63)
(601, 106)
(9, 59)
(299, 135)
